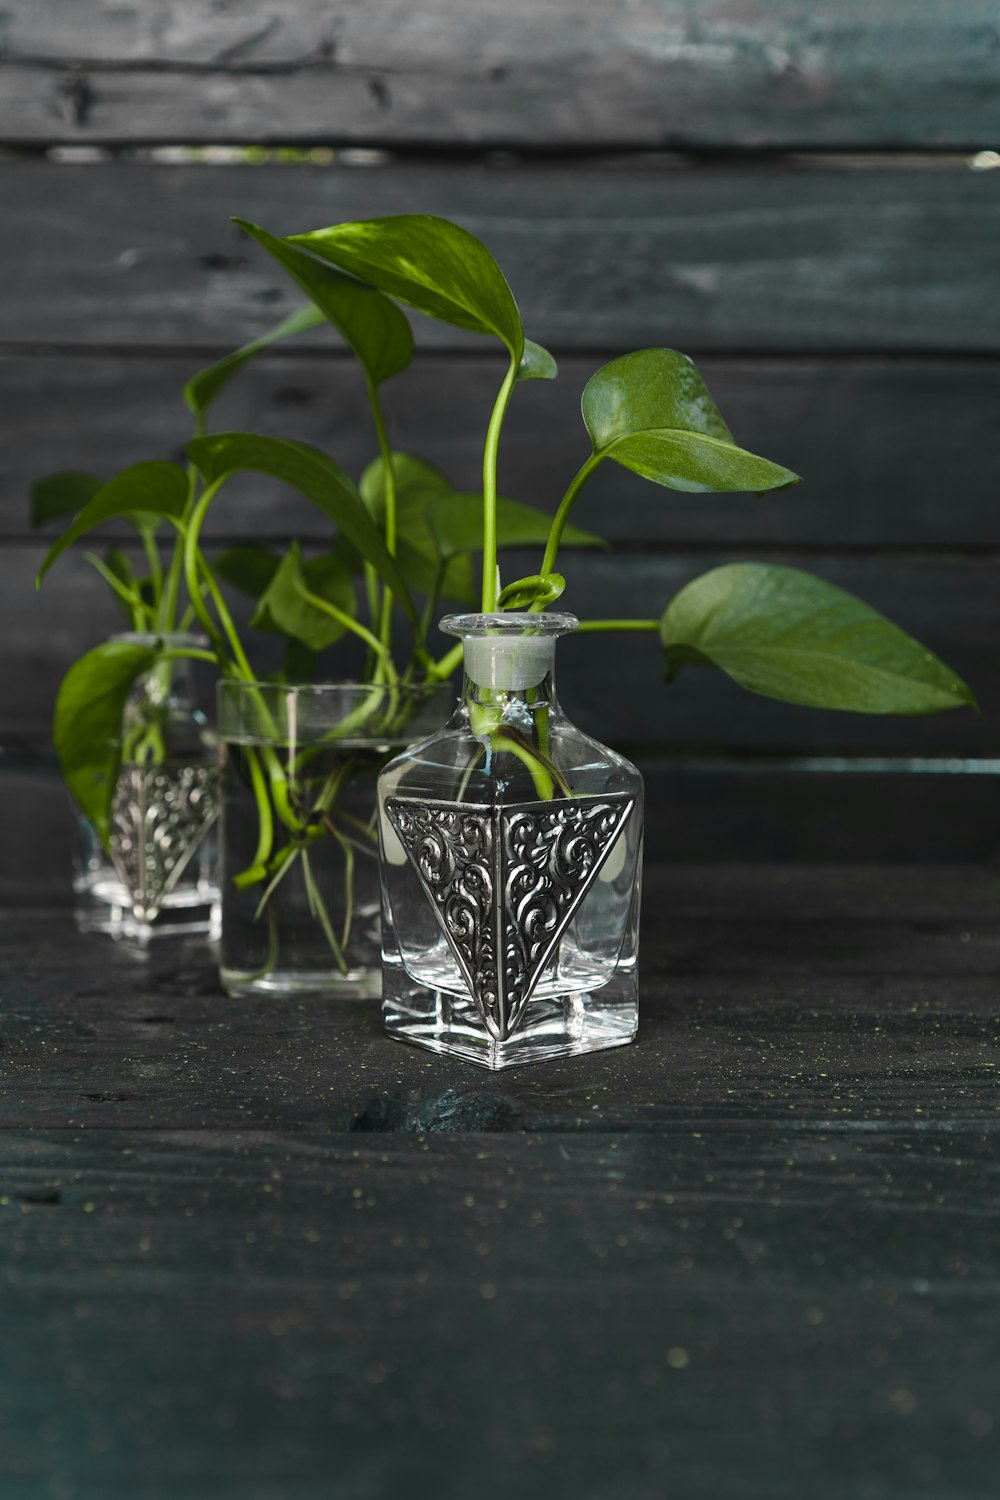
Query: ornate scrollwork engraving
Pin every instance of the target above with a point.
(159, 816)
(505, 884)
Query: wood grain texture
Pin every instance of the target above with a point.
(893, 453)
(662, 73)
(952, 606)
(709, 809)
(600, 258)
(269, 1253)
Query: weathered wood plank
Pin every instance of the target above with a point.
(893, 453)
(601, 258)
(665, 74)
(779, 1205)
(702, 809)
(871, 988)
(280, 1316)
(953, 606)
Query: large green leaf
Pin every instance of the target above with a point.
(88, 723)
(651, 412)
(61, 494)
(456, 520)
(431, 265)
(146, 490)
(785, 634)
(282, 610)
(369, 322)
(202, 389)
(419, 485)
(314, 475)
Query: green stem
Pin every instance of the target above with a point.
(389, 480)
(490, 582)
(128, 596)
(440, 671)
(561, 516)
(152, 552)
(169, 598)
(347, 621)
(619, 625)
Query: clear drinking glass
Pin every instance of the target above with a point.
(300, 890)
(511, 852)
(159, 875)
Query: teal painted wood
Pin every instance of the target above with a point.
(600, 258)
(666, 74)
(894, 454)
(273, 1254)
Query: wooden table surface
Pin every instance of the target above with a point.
(260, 1252)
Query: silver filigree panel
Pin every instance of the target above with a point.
(159, 816)
(505, 883)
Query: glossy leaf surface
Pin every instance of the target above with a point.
(313, 474)
(786, 634)
(368, 321)
(156, 489)
(88, 723)
(652, 412)
(63, 494)
(428, 263)
(536, 363)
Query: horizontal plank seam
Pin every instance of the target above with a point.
(622, 547)
(737, 354)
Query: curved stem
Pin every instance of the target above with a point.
(344, 619)
(190, 530)
(490, 583)
(561, 516)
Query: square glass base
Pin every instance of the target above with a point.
(554, 1026)
(102, 904)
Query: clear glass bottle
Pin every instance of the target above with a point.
(511, 855)
(159, 875)
(300, 903)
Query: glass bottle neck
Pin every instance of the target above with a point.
(510, 672)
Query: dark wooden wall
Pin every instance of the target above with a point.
(799, 195)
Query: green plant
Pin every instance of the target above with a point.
(404, 537)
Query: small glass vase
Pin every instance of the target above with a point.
(511, 854)
(300, 888)
(158, 876)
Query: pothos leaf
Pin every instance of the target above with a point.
(786, 634)
(429, 264)
(61, 494)
(457, 523)
(282, 610)
(87, 728)
(651, 412)
(314, 475)
(146, 490)
(202, 389)
(536, 363)
(369, 322)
